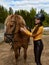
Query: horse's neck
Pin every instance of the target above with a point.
(20, 34)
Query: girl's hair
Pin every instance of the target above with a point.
(36, 29)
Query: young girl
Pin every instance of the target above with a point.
(37, 36)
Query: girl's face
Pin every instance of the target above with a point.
(37, 21)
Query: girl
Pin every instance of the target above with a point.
(37, 36)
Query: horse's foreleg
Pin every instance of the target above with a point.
(16, 53)
(12, 46)
(19, 51)
(25, 53)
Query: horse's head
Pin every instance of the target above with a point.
(12, 26)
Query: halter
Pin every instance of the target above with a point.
(10, 37)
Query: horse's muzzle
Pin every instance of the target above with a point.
(8, 38)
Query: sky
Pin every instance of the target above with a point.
(26, 4)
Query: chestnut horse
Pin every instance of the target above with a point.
(14, 35)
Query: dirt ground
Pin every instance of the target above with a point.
(7, 55)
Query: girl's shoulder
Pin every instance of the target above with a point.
(38, 26)
(41, 27)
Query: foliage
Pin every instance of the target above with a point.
(10, 11)
(3, 14)
(28, 16)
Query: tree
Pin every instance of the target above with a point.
(10, 10)
(3, 14)
(17, 12)
(46, 22)
(32, 15)
(28, 16)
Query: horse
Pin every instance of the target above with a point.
(13, 23)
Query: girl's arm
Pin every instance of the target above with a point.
(27, 32)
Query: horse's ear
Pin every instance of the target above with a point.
(23, 22)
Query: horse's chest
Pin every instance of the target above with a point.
(20, 37)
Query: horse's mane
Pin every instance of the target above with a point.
(18, 18)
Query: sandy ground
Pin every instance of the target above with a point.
(7, 55)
